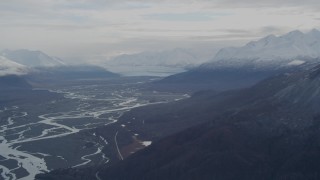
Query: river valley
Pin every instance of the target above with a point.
(41, 134)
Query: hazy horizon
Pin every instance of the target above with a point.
(88, 31)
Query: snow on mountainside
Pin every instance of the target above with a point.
(32, 58)
(173, 58)
(294, 48)
(8, 67)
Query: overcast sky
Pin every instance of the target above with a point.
(91, 29)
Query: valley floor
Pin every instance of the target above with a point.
(41, 130)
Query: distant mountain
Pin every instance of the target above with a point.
(157, 63)
(240, 67)
(32, 58)
(267, 132)
(39, 68)
(172, 58)
(8, 67)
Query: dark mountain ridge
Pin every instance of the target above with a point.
(218, 79)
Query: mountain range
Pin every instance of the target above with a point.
(293, 48)
(238, 67)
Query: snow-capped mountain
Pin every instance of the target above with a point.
(172, 58)
(240, 67)
(294, 48)
(32, 58)
(8, 67)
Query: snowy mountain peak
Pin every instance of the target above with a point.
(8, 67)
(273, 50)
(314, 31)
(294, 34)
(32, 58)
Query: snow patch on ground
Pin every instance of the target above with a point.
(146, 143)
(296, 63)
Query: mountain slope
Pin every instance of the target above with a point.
(32, 58)
(217, 79)
(272, 136)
